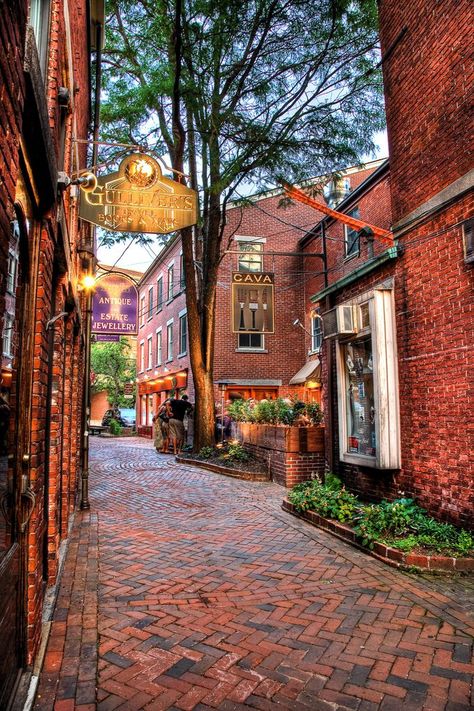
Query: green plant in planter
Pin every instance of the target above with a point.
(338, 504)
(236, 453)
(206, 452)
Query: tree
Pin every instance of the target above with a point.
(239, 92)
(112, 366)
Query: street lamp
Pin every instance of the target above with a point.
(87, 285)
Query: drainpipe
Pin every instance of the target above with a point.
(329, 362)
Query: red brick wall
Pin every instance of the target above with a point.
(428, 81)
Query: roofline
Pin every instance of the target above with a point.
(355, 195)
(306, 183)
(159, 257)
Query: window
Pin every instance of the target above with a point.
(142, 311)
(159, 293)
(170, 282)
(39, 21)
(468, 235)
(159, 347)
(183, 333)
(150, 302)
(351, 237)
(169, 341)
(7, 335)
(182, 280)
(150, 352)
(251, 342)
(142, 356)
(250, 257)
(143, 410)
(316, 333)
(369, 427)
(12, 271)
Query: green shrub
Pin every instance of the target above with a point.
(206, 452)
(274, 412)
(332, 481)
(115, 428)
(236, 453)
(338, 504)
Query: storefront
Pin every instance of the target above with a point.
(152, 392)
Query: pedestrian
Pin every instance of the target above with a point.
(179, 408)
(161, 427)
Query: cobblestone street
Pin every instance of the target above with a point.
(183, 589)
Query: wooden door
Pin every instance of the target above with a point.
(16, 496)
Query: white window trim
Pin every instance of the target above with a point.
(242, 238)
(148, 310)
(160, 332)
(141, 309)
(142, 360)
(168, 299)
(170, 322)
(312, 317)
(158, 278)
(249, 349)
(183, 312)
(386, 390)
(149, 351)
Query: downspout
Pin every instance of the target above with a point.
(330, 363)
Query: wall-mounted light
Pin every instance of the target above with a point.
(297, 322)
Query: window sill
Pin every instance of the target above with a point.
(169, 360)
(181, 355)
(348, 257)
(251, 350)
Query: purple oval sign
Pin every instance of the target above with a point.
(115, 306)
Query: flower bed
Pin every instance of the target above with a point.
(230, 459)
(398, 532)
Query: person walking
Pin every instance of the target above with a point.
(179, 408)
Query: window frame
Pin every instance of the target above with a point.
(159, 347)
(150, 303)
(142, 356)
(348, 231)
(170, 283)
(159, 293)
(149, 341)
(251, 349)
(316, 318)
(183, 317)
(169, 329)
(142, 310)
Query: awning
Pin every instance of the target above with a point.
(308, 371)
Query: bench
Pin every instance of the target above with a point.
(98, 429)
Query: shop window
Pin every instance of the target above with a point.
(143, 411)
(351, 237)
(251, 342)
(369, 429)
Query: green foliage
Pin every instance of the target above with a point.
(400, 524)
(337, 504)
(115, 428)
(282, 411)
(332, 481)
(206, 452)
(236, 453)
(112, 366)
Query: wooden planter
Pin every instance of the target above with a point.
(292, 454)
(282, 438)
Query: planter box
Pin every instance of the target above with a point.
(292, 454)
(281, 437)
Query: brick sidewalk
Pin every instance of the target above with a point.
(210, 597)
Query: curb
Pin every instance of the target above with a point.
(390, 556)
(226, 471)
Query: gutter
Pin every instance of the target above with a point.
(387, 256)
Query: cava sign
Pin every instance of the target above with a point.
(114, 306)
(252, 302)
(137, 198)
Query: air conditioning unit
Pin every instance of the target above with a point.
(340, 321)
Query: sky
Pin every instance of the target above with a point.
(139, 257)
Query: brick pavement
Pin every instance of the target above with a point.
(210, 597)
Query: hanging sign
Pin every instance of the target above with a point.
(106, 337)
(252, 302)
(115, 306)
(138, 198)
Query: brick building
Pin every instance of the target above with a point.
(397, 360)
(44, 106)
(260, 237)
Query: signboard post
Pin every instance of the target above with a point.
(253, 302)
(138, 198)
(115, 306)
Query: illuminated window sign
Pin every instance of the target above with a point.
(253, 302)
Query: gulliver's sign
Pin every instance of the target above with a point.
(138, 198)
(114, 306)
